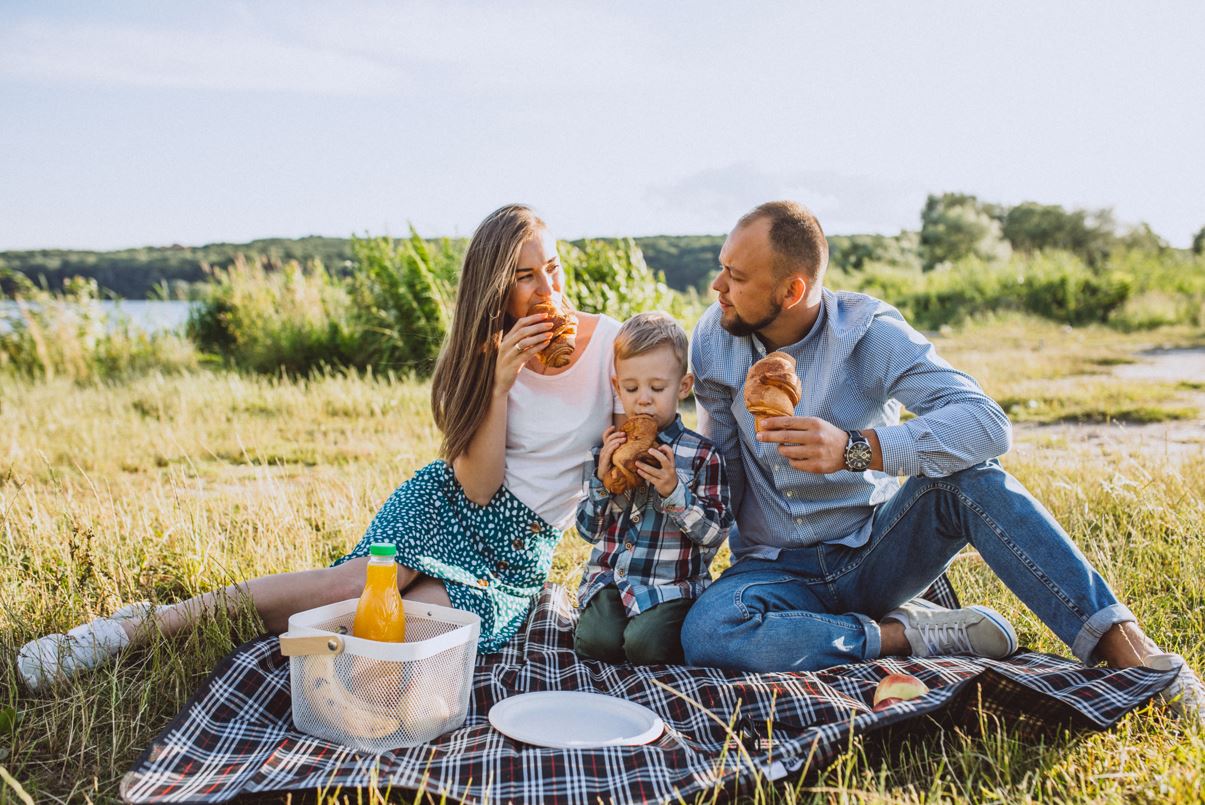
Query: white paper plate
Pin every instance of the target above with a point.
(574, 719)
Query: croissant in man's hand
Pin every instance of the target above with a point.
(772, 388)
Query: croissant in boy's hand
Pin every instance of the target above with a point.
(772, 388)
(642, 434)
(564, 332)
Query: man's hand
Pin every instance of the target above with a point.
(811, 444)
(613, 437)
(663, 477)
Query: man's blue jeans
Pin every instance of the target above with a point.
(819, 606)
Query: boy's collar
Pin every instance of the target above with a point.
(671, 431)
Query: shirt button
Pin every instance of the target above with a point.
(798, 521)
(518, 544)
(483, 582)
(635, 518)
(790, 494)
(627, 546)
(621, 572)
(503, 564)
(535, 528)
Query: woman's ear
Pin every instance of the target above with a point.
(688, 383)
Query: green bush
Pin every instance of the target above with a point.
(265, 317)
(404, 292)
(603, 276)
(1055, 285)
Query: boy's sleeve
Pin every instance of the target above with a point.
(592, 511)
(700, 508)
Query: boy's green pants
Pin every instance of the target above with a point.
(606, 632)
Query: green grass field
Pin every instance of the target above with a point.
(162, 487)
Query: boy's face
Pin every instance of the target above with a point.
(652, 383)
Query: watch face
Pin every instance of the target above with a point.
(857, 456)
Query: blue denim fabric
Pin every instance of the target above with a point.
(819, 606)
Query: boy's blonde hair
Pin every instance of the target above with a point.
(644, 332)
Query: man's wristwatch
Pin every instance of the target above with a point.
(857, 452)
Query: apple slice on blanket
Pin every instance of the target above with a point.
(897, 688)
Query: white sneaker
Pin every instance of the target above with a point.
(58, 657)
(977, 631)
(1185, 696)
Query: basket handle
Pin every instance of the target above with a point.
(308, 645)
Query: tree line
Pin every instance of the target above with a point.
(953, 227)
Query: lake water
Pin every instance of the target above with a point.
(151, 316)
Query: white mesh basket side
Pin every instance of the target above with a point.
(375, 704)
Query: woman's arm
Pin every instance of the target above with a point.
(481, 468)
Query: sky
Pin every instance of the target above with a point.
(125, 124)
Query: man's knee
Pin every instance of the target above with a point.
(704, 630)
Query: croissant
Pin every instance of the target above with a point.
(564, 333)
(642, 434)
(772, 388)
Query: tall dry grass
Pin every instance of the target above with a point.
(164, 486)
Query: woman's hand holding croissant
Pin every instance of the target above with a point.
(529, 332)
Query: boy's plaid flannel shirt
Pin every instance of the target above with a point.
(653, 549)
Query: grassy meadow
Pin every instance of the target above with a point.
(160, 486)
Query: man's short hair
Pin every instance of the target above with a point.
(796, 237)
(644, 332)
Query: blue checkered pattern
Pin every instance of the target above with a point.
(858, 364)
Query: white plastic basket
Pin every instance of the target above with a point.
(376, 696)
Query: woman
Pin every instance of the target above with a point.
(475, 530)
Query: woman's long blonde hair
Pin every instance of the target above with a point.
(464, 372)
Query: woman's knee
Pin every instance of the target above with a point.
(346, 580)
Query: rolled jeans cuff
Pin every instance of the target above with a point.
(874, 637)
(1084, 645)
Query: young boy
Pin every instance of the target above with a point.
(653, 543)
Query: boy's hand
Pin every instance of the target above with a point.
(613, 437)
(663, 477)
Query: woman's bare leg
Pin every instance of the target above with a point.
(275, 598)
(280, 595)
(428, 591)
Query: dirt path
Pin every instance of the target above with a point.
(1174, 440)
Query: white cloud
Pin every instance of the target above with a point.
(144, 56)
(712, 200)
(368, 49)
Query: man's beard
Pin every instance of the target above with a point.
(740, 327)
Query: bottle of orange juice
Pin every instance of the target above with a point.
(379, 615)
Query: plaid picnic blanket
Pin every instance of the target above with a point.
(236, 737)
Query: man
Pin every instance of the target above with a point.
(829, 548)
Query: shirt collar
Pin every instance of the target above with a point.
(671, 431)
(826, 298)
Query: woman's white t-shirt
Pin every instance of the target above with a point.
(553, 421)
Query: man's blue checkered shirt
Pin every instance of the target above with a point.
(859, 362)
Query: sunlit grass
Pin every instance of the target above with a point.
(164, 486)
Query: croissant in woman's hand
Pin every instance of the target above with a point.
(642, 434)
(560, 348)
(772, 388)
